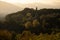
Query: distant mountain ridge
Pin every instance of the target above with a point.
(7, 8)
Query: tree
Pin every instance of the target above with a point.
(28, 24)
(35, 23)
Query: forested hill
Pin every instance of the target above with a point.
(38, 12)
(35, 21)
(31, 14)
(41, 11)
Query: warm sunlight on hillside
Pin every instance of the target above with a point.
(7, 8)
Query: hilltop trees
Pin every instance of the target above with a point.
(35, 20)
(30, 24)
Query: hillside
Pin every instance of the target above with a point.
(30, 24)
(43, 19)
(7, 8)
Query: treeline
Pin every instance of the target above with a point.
(36, 21)
(28, 23)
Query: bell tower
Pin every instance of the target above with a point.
(36, 12)
(36, 8)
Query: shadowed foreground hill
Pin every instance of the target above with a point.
(43, 19)
(30, 24)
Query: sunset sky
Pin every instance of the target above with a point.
(34, 3)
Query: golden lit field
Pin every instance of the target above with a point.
(26, 35)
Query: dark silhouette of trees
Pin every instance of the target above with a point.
(36, 21)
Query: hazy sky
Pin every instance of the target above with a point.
(34, 3)
(9, 6)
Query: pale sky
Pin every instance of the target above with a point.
(14, 5)
(34, 3)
